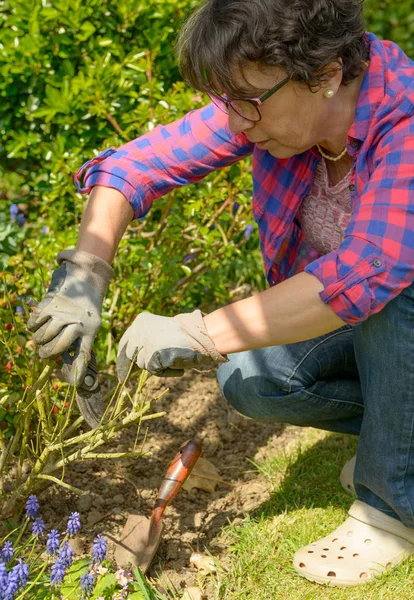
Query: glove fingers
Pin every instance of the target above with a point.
(177, 358)
(123, 363)
(37, 319)
(49, 330)
(169, 373)
(61, 342)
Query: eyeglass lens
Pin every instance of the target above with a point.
(243, 108)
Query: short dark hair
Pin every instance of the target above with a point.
(300, 36)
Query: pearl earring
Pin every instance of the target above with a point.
(329, 94)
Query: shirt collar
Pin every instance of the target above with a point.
(372, 89)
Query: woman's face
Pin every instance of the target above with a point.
(294, 119)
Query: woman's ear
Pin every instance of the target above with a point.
(330, 76)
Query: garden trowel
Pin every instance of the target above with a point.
(141, 536)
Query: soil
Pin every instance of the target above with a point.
(195, 410)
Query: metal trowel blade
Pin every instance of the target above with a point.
(135, 546)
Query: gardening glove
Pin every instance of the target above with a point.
(71, 309)
(165, 346)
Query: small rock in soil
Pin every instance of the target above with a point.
(94, 516)
(85, 502)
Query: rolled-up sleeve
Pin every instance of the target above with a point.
(168, 157)
(375, 262)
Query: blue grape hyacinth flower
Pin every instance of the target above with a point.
(3, 577)
(58, 572)
(38, 526)
(52, 543)
(99, 549)
(23, 571)
(16, 580)
(32, 506)
(7, 551)
(87, 583)
(66, 554)
(73, 523)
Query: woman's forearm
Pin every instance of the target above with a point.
(289, 312)
(106, 216)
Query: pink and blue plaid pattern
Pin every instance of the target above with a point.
(375, 262)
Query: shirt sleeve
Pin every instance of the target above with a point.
(168, 157)
(375, 262)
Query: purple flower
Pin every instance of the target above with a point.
(14, 210)
(3, 577)
(66, 554)
(12, 584)
(38, 526)
(73, 523)
(19, 310)
(248, 231)
(52, 543)
(16, 215)
(21, 219)
(23, 571)
(7, 551)
(32, 506)
(45, 229)
(87, 583)
(188, 258)
(57, 572)
(16, 579)
(99, 549)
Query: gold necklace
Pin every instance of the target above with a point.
(344, 151)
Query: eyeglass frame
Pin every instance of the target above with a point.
(256, 102)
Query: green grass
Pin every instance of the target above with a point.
(306, 504)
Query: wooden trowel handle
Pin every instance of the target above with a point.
(177, 473)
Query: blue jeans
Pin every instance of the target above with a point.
(357, 380)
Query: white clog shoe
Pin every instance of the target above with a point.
(347, 476)
(368, 543)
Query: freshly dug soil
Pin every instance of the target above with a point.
(195, 410)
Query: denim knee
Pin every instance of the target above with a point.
(259, 384)
(251, 393)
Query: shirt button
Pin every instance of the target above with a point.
(351, 187)
(354, 144)
(377, 262)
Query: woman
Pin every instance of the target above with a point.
(327, 111)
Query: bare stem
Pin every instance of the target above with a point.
(71, 488)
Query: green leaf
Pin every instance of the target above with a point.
(186, 269)
(106, 585)
(141, 582)
(87, 29)
(70, 585)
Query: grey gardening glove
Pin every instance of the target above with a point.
(165, 346)
(71, 309)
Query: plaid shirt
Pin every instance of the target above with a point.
(375, 262)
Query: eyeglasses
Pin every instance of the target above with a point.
(247, 108)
